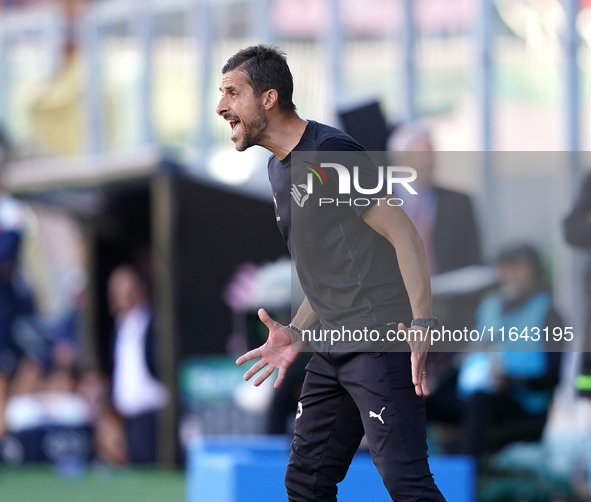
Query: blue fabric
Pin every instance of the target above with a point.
(9, 244)
(9, 301)
(523, 359)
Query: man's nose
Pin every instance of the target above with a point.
(221, 107)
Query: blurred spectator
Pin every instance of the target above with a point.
(12, 222)
(505, 396)
(137, 394)
(65, 350)
(110, 443)
(45, 418)
(93, 388)
(57, 114)
(28, 377)
(444, 218)
(577, 230)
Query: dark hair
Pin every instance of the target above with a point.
(522, 253)
(266, 68)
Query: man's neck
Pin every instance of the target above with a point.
(283, 134)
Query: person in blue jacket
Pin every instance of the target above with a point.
(513, 384)
(12, 222)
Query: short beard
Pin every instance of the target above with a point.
(251, 132)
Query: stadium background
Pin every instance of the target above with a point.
(118, 156)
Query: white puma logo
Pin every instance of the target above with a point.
(373, 414)
(300, 411)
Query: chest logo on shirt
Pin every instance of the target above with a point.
(300, 194)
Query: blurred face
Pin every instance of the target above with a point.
(517, 280)
(60, 381)
(242, 109)
(420, 157)
(125, 292)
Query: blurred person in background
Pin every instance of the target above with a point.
(12, 224)
(108, 427)
(577, 231)
(444, 218)
(109, 438)
(504, 397)
(57, 112)
(137, 394)
(65, 334)
(44, 402)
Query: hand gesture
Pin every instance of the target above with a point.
(418, 357)
(275, 353)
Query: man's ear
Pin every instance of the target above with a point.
(270, 98)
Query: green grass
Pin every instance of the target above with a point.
(41, 484)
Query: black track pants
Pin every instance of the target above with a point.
(348, 395)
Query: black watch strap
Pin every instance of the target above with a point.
(427, 322)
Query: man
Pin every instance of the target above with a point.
(137, 395)
(444, 218)
(374, 251)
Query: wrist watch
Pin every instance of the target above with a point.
(295, 328)
(299, 331)
(426, 322)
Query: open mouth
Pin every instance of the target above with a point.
(234, 125)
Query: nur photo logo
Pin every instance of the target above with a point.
(347, 183)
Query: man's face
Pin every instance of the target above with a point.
(242, 109)
(124, 292)
(420, 157)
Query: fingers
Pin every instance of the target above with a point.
(264, 375)
(253, 354)
(419, 376)
(280, 377)
(267, 321)
(254, 370)
(422, 389)
(424, 386)
(414, 366)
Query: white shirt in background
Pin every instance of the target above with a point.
(135, 390)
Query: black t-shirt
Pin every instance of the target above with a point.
(347, 270)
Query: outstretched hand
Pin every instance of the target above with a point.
(275, 353)
(418, 358)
